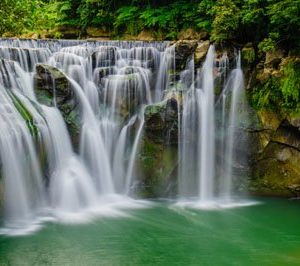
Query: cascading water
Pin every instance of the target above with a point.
(207, 179)
(234, 114)
(24, 194)
(112, 82)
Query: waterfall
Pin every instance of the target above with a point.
(24, 195)
(111, 82)
(231, 119)
(106, 86)
(208, 131)
(71, 187)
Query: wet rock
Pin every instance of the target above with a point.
(158, 154)
(184, 49)
(161, 121)
(201, 51)
(52, 88)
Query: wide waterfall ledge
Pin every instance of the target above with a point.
(88, 128)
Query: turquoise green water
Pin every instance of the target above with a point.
(266, 234)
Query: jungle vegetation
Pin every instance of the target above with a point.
(266, 23)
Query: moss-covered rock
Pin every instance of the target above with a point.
(248, 54)
(277, 171)
(158, 155)
(52, 88)
(276, 168)
(201, 51)
(277, 88)
(158, 164)
(184, 49)
(161, 121)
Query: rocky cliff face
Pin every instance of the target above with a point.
(274, 154)
(158, 156)
(276, 169)
(276, 137)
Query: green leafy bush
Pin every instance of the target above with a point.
(226, 20)
(280, 93)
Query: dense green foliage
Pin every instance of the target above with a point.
(280, 92)
(269, 23)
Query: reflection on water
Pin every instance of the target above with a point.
(166, 234)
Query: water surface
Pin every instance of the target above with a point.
(163, 234)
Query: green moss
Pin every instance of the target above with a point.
(280, 92)
(154, 108)
(44, 97)
(290, 84)
(248, 55)
(149, 155)
(157, 162)
(25, 114)
(266, 95)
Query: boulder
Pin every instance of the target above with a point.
(184, 49)
(161, 121)
(52, 88)
(201, 51)
(158, 156)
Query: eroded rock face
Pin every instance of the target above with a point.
(161, 121)
(52, 88)
(158, 156)
(184, 49)
(94, 32)
(276, 168)
(146, 35)
(191, 34)
(201, 51)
